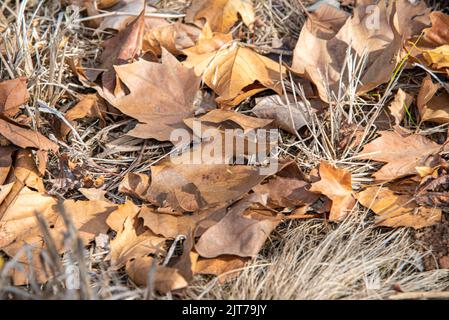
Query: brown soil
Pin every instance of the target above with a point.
(436, 238)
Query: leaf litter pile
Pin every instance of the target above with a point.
(92, 91)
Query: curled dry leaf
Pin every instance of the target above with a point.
(25, 138)
(401, 154)
(236, 73)
(13, 94)
(336, 184)
(118, 50)
(432, 106)
(400, 106)
(90, 106)
(164, 279)
(174, 37)
(438, 33)
(158, 111)
(289, 116)
(242, 232)
(222, 267)
(135, 184)
(397, 210)
(329, 34)
(208, 42)
(221, 14)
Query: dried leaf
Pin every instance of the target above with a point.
(90, 106)
(402, 154)
(118, 50)
(397, 210)
(26, 138)
(133, 240)
(336, 184)
(19, 220)
(287, 189)
(134, 8)
(167, 225)
(288, 116)
(135, 184)
(242, 232)
(236, 72)
(438, 33)
(159, 111)
(187, 187)
(174, 37)
(329, 34)
(220, 266)
(164, 279)
(5, 162)
(221, 14)
(400, 105)
(433, 107)
(13, 94)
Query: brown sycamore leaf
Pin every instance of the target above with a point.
(25, 138)
(158, 111)
(13, 94)
(242, 232)
(432, 104)
(221, 14)
(375, 30)
(397, 210)
(164, 279)
(236, 73)
(400, 105)
(336, 184)
(402, 154)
